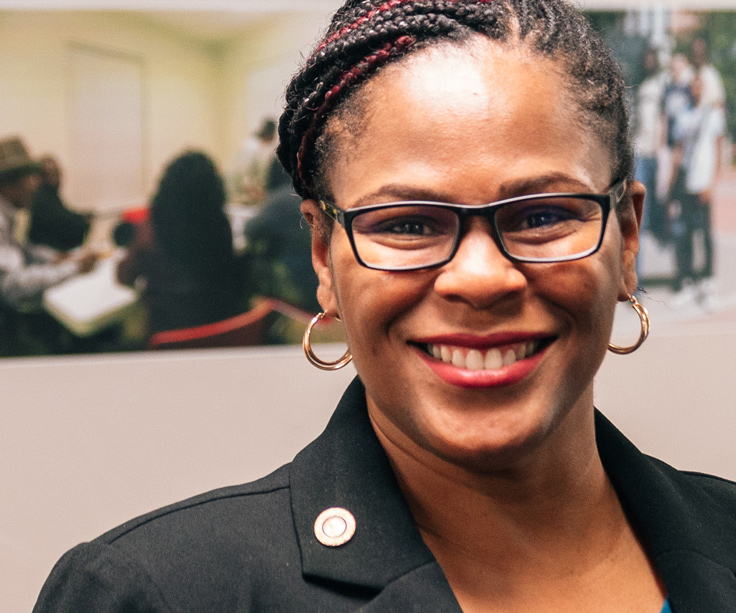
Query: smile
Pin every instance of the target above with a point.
(489, 359)
(466, 364)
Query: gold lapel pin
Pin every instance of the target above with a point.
(334, 527)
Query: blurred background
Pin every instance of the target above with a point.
(113, 93)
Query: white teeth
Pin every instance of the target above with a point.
(493, 360)
(475, 360)
(509, 357)
(446, 354)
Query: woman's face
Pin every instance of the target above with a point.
(474, 124)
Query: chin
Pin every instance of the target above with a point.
(491, 446)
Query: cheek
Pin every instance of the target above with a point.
(372, 303)
(585, 292)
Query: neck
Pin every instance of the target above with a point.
(551, 502)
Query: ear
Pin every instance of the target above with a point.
(321, 256)
(629, 218)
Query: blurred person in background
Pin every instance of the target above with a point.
(26, 271)
(696, 159)
(182, 256)
(648, 139)
(247, 179)
(52, 222)
(677, 98)
(279, 245)
(713, 90)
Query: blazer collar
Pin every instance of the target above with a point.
(687, 530)
(347, 467)
(680, 524)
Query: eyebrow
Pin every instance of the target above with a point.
(395, 192)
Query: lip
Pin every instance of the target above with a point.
(493, 378)
(475, 341)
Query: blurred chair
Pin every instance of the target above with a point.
(243, 330)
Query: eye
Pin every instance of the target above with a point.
(410, 222)
(543, 216)
(409, 226)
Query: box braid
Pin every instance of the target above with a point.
(366, 35)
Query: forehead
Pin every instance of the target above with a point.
(480, 104)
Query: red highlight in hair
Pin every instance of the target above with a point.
(347, 78)
(370, 15)
(367, 17)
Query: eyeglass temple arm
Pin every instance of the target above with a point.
(330, 210)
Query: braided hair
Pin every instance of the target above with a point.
(366, 35)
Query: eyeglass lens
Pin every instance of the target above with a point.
(417, 234)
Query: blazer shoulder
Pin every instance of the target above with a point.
(695, 486)
(718, 487)
(155, 562)
(242, 495)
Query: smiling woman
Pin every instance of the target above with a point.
(466, 173)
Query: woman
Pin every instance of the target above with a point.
(466, 469)
(184, 255)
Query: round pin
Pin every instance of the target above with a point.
(334, 527)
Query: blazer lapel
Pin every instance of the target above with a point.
(420, 591)
(696, 584)
(346, 467)
(687, 531)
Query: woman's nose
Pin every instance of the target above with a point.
(480, 273)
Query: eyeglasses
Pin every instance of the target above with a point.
(541, 228)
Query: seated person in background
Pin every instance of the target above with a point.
(26, 270)
(182, 256)
(52, 223)
(279, 245)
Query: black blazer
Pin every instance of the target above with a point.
(253, 547)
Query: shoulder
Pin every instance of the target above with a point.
(722, 492)
(672, 509)
(703, 503)
(227, 506)
(156, 561)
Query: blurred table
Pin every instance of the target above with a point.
(88, 303)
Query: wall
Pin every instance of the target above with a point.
(256, 67)
(86, 443)
(210, 95)
(180, 85)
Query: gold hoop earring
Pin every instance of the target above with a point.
(643, 314)
(312, 357)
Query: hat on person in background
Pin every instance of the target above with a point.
(15, 162)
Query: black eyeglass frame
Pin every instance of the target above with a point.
(606, 201)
